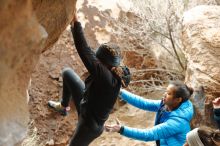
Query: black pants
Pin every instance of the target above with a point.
(87, 128)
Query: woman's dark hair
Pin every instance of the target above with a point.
(209, 136)
(182, 90)
(122, 73)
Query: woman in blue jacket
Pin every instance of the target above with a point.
(174, 113)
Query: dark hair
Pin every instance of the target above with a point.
(109, 53)
(209, 136)
(182, 90)
(122, 73)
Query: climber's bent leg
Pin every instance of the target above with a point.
(73, 87)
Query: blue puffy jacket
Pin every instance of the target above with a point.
(174, 125)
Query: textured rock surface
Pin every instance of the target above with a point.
(218, 2)
(201, 37)
(27, 28)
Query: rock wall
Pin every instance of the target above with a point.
(218, 2)
(201, 38)
(27, 28)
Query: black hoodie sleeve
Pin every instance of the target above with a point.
(86, 54)
(93, 65)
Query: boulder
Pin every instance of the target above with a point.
(201, 39)
(27, 29)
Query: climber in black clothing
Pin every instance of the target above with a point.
(95, 98)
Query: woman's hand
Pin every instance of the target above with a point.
(216, 103)
(113, 128)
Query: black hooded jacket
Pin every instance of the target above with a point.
(102, 87)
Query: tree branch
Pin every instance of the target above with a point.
(173, 44)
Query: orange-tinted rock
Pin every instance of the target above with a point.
(133, 59)
(27, 28)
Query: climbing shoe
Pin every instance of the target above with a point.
(58, 107)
